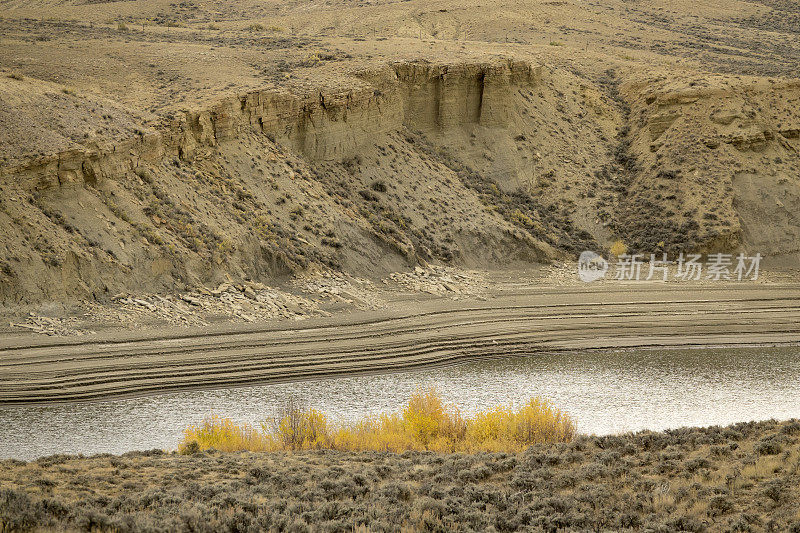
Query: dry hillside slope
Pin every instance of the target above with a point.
(151, 146)
(414, 162)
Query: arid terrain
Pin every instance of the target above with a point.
(246, 165)
(212, 193)
(156, 147)
(738, 478)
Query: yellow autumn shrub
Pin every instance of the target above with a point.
(426, 423)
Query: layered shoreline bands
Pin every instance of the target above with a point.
(520, 322)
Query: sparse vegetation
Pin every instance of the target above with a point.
(549, 223)
(687, 479)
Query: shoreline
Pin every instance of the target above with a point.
(437, 332)
(417, 368)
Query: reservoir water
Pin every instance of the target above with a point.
(604, 391)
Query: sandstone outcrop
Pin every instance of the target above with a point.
(270, 182)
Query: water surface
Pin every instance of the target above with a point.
(605, 391)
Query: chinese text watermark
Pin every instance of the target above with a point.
(688, 267)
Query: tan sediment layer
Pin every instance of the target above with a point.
(436, 332)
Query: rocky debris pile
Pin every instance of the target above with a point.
(253, 302)
(358, 292)
(441, 281)
(61, 327)
(560, 273)
(131, 311)
(250, 302)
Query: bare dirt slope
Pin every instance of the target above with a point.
(154, 146)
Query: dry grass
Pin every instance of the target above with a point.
(425, 423)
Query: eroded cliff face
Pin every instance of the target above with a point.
(393, 171)
(440, 97)
(484, 164)
(717, 167)
(327, 126)
(323, 125)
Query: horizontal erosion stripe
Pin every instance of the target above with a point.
(66, 371)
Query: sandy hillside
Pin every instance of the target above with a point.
(152, 146)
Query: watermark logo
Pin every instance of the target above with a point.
(689, 267)
(591, 266)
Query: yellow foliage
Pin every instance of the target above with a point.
(521, 218)
(298, 429)
(223, 434)
(426, 423)
(618, 248)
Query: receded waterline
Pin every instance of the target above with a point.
(605, 392)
